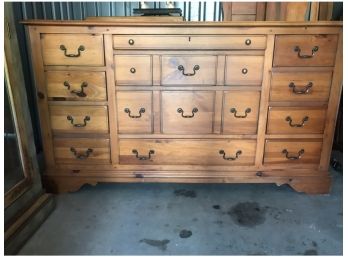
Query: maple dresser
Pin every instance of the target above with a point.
(196, 102)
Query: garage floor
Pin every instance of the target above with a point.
(177, 219)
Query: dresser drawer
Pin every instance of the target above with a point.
(305, 50)
(187, 112)
(189, 70)
(187, 152)
(292, 151)
(244, 70)
(79, 119)
(301, 86)
(81, 150)
(240, 113)
(76, 85)
(133, 69)
(72, 49)
(134, 112)
(296, 120)
(189, 42)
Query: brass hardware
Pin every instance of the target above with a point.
(244, 70)
(132, 70)
(289, 157)
(304, 56)
(248, 42)
(141, 110)
(182, 69)
(305, 90)
(194, 110)
(80, 156)
(131, 42)
(259, 173)
(143, 157)
(234, 111)
(40, 95)
(80, 93)
(79, 50)
(78, 125)
(239, 152)
(305, 119)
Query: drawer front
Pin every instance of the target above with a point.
(241, 111)
(305, 50)
(76, 85)
(81, 150)
(301, 86)
(295, 120)
(134, 112)
(133, 69)
(79, 119)
(244, 70)
(187, 112)
(189, 70)
(292, 152)
(187, 152)
(72, 49)
(189, 42)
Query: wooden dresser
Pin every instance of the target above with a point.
(196, 102)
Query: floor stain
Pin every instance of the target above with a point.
(194, 219)
(310, 252)
(314, 244)
(248, 214)
(216, 207)
(185, 193)
(160, 244)
(185, 233)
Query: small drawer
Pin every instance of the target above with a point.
(189, 70)
(187, 112)
(296, 120)
(134, 112)
(241, 112)
(300, 86)
(244, 70)
(79, 119)
(133, 70)
(72, 49)
(81, 150)
(76, 85)
(187, 152)
(189, 42)
(305, 50)
(292, 151)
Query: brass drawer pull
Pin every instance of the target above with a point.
(131, 42)
(289, 157)
(194, 110)
(132, 70)
(141, 110)
(78, 125)
(80, 156)
(80, 93)
(248, 42)
(239, 152)
(304, 56)
(143, 157)
(182, 69)
(234, 111)
(244, 70)
(79, 50)
(289, 119)
(304, 90)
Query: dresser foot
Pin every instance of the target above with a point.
(58, 185)
(312, 185)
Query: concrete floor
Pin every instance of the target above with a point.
(224, 219)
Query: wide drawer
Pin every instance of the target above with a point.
(244, 70)
(133, 69)
(72, 49)
(292, 151)
(301, 86)
(187, 152)
(240, 113)
(305, 50)
(188, 70)
(186, 112)
(79, 119)
(81, 150)
(296, 120)
(189, 42)
(76, 85)
(134, 112)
